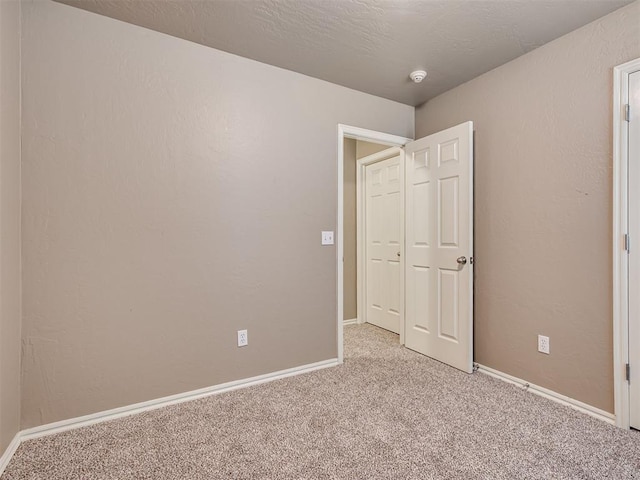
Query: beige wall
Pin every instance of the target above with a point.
(353, 150)
(364, 149)
(172, 194)
(350, 276)
(543, 203)
(9, 221)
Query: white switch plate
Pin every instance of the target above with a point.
(243, 338)
(327, 238)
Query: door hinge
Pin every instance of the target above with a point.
(627, 243)
(628, 372)
(627, 112)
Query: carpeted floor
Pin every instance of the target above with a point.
(387, 413)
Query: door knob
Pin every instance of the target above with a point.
(461, 260)
(398, 254)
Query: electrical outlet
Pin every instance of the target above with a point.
(543, 344)
(327, 238)
(243, 338)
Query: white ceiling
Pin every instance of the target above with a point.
(367, 45)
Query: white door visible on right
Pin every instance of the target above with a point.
(439, 246)
(634, 251)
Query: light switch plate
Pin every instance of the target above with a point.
(327, 238)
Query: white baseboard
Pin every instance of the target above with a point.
(8, 453)
(550, 394)
(77, 422)
(351, 321)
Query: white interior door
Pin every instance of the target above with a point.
(439, 246)
(383, 242)
(634, 251)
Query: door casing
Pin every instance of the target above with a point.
(620, 255)
(378, 138)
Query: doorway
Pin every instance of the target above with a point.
(435, 226)
(349, 139)
(358, 155)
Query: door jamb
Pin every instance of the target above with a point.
(361, 165)
(347, 131)
(620, 255)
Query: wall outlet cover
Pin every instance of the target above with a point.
(543, 344)
(243, 338)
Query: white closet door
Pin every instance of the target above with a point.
(383, 210)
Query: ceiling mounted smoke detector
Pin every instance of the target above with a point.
(417, 76)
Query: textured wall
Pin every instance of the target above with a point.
(172, 194)
(9, 221)
(543, 203)
(364, 149)
(350, 273)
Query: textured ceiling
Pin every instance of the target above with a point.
(368, 45)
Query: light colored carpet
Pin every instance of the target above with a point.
(388, 413)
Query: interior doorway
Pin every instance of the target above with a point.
(355, 151)
(434, 196)
(354, 143)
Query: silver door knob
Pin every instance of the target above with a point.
(462, 260)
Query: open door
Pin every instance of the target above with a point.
(439, 246)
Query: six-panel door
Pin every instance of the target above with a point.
(439, 246)
(383, 210)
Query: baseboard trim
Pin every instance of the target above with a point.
(92, 419)
(550, 394)
(351, 321)
(8, 453)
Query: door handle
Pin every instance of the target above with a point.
(461, 260)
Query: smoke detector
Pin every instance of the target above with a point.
(417, 76)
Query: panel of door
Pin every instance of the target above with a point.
(383, 239)
(634, 251)
(439, 246)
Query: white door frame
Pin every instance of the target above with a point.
(346, 131)
(361, 239)
(620, 257)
